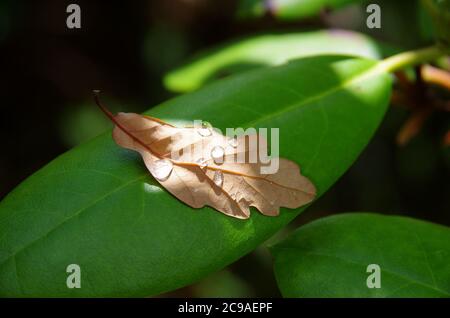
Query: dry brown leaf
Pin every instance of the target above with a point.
(198, 166)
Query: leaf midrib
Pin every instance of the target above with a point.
(371, 71)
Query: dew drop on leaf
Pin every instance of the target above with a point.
(217, 154)
(161, 169)
(218, 178)
(202, 163)
(205, 131)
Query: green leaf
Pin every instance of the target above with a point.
(288, 9)
(267, 50)
(329, 258)
(98, 207)
(425, 24)
(439, 11)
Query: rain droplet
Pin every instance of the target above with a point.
(202, 163)
(217, 154)
(218, 178)
(233, 142)
(205, 131)
(161, 169)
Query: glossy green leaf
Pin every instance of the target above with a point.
(98, 207)
(267, 50)
(330, 258)
(288, 9)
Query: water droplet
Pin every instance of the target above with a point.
(161, 169)
(218, 178)
(205, 131)
(233, 142)
(217, 154)
(202, 163)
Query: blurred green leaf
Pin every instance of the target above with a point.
(329, 258)
(439, 11)
(81, 123)
(268, 49)
(288, 9)
(163, 47)
(97, 205)
(425, 24)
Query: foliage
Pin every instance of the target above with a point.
(327, 91)
(413, 257)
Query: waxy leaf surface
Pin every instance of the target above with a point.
(344, 255)
(98, 207)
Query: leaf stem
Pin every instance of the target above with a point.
(120, 126)
(411, 58)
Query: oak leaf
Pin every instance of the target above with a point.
(200, 166)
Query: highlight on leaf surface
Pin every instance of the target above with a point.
(200, 166)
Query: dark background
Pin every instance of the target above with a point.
(124, 48)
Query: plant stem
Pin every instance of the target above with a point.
(411, 58)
